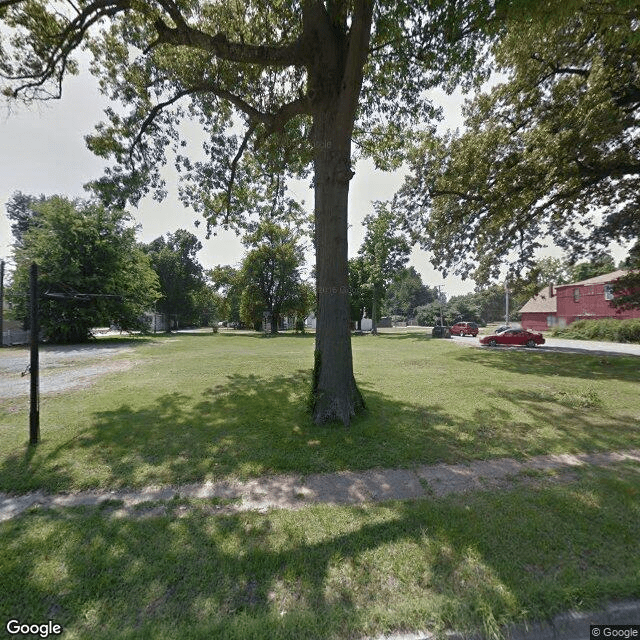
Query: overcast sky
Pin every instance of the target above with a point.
(42, 150)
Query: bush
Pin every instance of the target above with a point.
(607, 329)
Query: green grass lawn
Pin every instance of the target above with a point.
(210, 406)
(465, 562)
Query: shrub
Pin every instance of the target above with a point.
(606, 329)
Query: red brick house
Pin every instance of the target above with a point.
(539, 313)
(586, 300)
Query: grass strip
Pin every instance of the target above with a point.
(466, 562)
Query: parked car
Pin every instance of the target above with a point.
(464, 329)
(441, 331)
(504, 327)
(514, 337)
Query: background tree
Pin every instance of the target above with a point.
(627, 288)
(384, 251)
(405, 292)
(429, 314)
(360, 293)
(271, 274)
(207, 305)
(302, 78)
(180, 273)
(228, 284)
(553, 150)
(303, 304)
(83, 248)
(22, 213)
(597, 266)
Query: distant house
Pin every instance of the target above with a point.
(540, 312)
(586, 300)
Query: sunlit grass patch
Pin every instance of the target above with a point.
(214, 406)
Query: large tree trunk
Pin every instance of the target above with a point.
(335, 394)
(334, 82)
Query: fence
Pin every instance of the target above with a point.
(15, 336)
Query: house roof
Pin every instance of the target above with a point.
(541, 303)
(604, 278)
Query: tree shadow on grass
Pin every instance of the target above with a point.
(407, 336)
(546, 364)
(462, 562)
(249, 425)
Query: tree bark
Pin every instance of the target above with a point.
(335, 76)
(335, 394)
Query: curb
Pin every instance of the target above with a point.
(572, 625)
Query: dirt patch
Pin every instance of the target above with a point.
(62, 367)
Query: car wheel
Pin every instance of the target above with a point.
(531, 343)
(492, 343)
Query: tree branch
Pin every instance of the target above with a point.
(273, 122)
(359, 38)
(7, 3)
(68, 40)
(220, 46)
(234, 166)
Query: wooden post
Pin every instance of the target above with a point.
(34, 413)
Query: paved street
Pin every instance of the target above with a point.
(569, 346)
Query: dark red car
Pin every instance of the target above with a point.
(464, 329)
(520, 337)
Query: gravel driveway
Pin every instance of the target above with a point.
(61, 367)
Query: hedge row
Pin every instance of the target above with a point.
(609, 329)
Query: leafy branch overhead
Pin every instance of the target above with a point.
(551, 152)
(227, 64)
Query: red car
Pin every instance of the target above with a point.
(464, 329)
(515, 337)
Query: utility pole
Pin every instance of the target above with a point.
(34, 413)
(440, 301)
(1, 303)
(506, 302)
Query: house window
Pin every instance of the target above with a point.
(608, 292)
(576, 295)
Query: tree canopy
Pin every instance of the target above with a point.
(406, 292)
(270, 274)
(181, 276)
(91, 271)
(550, 152)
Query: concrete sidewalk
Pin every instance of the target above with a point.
(347, 487)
